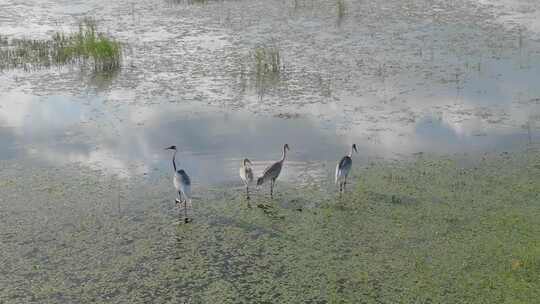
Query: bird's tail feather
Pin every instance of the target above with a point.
(260, 181)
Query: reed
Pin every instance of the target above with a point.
(267, 67)
(267, 61)
(341, 9)
(86, 47)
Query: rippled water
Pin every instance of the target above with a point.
(394, 77)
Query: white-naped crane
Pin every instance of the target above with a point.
(343, 168)
(246, 174)
(182, 184)
(271, 173)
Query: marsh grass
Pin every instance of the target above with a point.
(3, 40)
(267, 67)
(86, 47)
(341, 10)
(267, 61)
(428, 230)
(325, 85)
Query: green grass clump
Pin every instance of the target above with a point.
(267, 61)
(85, 47)
(267, 67)
(3, 40)
(341, 9)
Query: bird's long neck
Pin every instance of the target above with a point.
(352, 150)
(284, 154)
(173, 162)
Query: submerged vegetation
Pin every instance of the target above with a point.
(87, 47)
(427, 231)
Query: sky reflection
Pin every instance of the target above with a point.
(129, 140)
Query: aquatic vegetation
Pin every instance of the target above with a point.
(3, 40)
(427, 230)
(85, 47)
(267, 67)
(267, 61)
(341, 9)
(325, 85)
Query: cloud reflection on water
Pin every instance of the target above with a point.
(129, 140)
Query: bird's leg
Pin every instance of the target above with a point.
(186, 219)
(179, 198)
(345, 183)
(272, 188)
(247, 196)
(340, 187)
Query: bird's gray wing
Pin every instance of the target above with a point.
(270, 173)
(345, 163)
(272, 170)
(184, 178)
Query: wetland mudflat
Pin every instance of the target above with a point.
(440, 97)
(425, 231)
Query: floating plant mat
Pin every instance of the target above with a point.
(87, 47)
(428, 230)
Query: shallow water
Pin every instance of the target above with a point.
(395, 87)
(85, 176)
(129, 140)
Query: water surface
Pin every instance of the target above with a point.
(393, 77)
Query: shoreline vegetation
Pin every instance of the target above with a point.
(425, 231)
(86, 48)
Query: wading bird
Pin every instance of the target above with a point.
(246, 174)
(271, 173)
(182, 184)
(343, 168)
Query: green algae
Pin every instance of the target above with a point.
(430, 230)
